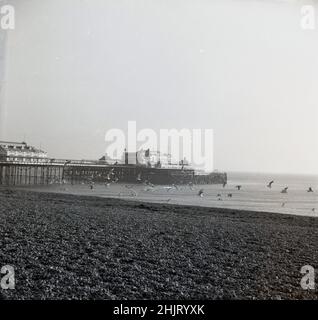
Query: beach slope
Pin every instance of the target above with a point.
(76, 247)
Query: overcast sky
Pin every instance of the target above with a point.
(245, 68)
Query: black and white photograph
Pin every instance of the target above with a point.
(161, 151)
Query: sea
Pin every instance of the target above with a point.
(254, 194)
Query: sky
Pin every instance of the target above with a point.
(244, 68)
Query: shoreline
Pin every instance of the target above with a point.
(135, 201)
(82, 247)
(186, 198)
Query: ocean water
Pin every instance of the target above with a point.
(254, 194)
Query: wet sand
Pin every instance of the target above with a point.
(251, 197)
(78, 247)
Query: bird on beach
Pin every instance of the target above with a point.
(201, 193)
(224, 184)
(238, 187)
(284, 190)
(270, 184)
(219, 195)
(148, 183)
(310, 189)
(313, 209)
(283, 204)
(229, 195)
(133, 192)
(149, 188)
(139, 178)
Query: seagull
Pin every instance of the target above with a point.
(229, 195)
(310, 189)
(284, 190)
(270, 184)
(148, 188)
(238, 187)
(148, 183)
(139, 177)
(133, 193)
(201, 193)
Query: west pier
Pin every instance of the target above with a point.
(52, 171)
(21, 164)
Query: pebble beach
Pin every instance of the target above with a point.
(66, 246)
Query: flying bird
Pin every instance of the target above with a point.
(284, 190)
(270, 184)
(310, 189)
(201, 193)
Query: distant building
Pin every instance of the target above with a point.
(148, 158)
(20, 151)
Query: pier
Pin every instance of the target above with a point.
(50, 171)
(57, 171)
